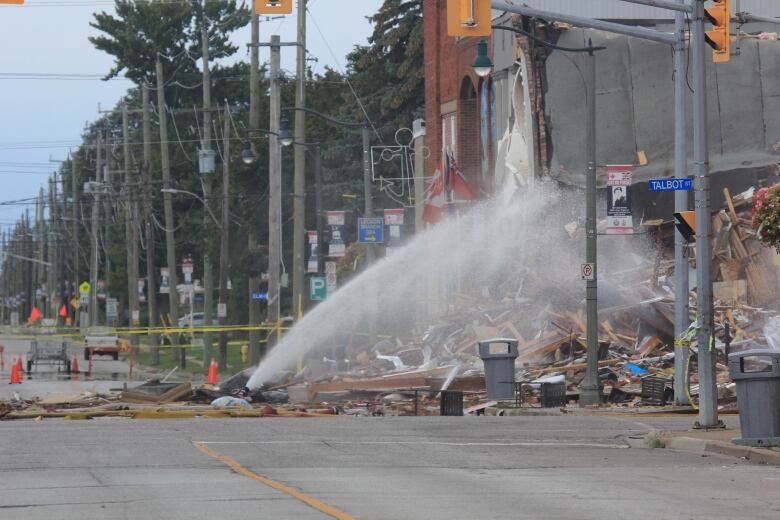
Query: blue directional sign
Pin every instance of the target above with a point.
(371, 230)
(259, 296)
(673, 184)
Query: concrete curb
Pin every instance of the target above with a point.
(704, 446)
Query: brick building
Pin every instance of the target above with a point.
(457, 101)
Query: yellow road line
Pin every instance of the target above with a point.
(294, 493)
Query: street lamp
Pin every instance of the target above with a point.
(482, 64)
(285, 139)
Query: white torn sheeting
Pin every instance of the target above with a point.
(515, 165)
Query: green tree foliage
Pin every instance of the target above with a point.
(388, 74)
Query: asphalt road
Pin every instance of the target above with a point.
(46, 380)
(369, 468)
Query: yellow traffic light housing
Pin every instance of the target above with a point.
(719, 16)
(469, 18)
(273, 7)
(685, 222)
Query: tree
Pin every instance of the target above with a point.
(388, 74)
(140, 32)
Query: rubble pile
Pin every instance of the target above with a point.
(636, 331)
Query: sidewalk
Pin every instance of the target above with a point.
(718, 442)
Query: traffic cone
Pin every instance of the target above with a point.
(16, 378)
(74, 365)
(212, 377)
(19, 366)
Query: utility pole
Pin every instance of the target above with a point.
(208, 271)
(151, 286)
(681, 313)
(55, 215)
(419, 175)
(40, 242)
(275, 190)
(299, 181)
(75, 216)
(368, 211)
(131, 228)
(320, 215)
(708, 396)
(254, 122)
(170, 245)
(590, 393)
(224, 239)
(97, 188)
(107, 209)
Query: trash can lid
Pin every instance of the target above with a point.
(498, 340)
(766, 352)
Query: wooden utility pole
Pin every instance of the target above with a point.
(93, 253)
(254, 122)
(224, 240)
(75, 216)
(40, 241)
(170, 245)
(208, 270)
(151, 286)
(299, 180)
(131, 228)
(274, 190)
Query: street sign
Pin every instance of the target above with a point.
(84, 288)
(673, 184)
(222, 310)
(112, 308)
(371, 230)
(318, 288)
(256, 296)
(588, 272)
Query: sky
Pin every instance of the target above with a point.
(41, 118)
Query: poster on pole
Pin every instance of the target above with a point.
(337, 247)
(165, 285)
(312, 266)
(620, 221)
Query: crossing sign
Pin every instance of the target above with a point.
(84, 288)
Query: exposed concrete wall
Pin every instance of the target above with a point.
(635, 107)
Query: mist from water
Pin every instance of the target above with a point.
(491, 244)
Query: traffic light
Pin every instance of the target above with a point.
(719, 16)
(469, 18)
(273, 7)
(685, 222)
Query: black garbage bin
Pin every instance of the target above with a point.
(757, 375)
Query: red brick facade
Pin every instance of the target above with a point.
(451, 87)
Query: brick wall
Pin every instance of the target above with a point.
(448, 63)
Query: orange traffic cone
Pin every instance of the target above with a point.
(212, 377)
(16, 378)
(19, 366)
(74, 365)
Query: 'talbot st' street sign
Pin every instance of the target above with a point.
(673, 184)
